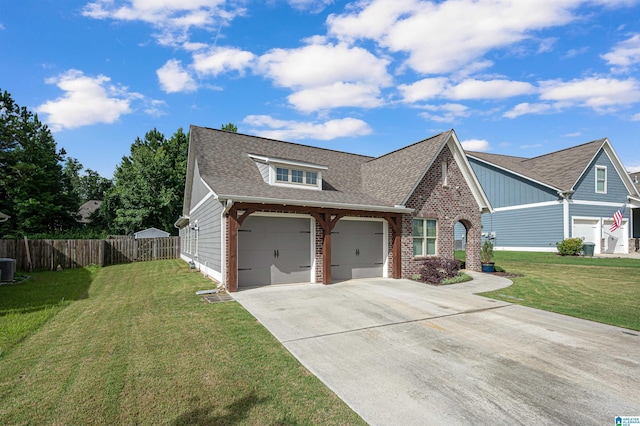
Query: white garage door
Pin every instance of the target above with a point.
(357, 250)
(617, 241)
(587, 229)
(274, 250)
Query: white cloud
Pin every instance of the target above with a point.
(635, 117)
(269, 127)
(173, 19)
(2, 27)
(327, 76)
(320, 65)
(173, 78)
(313, 6)
(424, 89)
(572, 135)
(87, 100)
(633, 169)
(441, 87)
(490, 89)
(476, 145)
(625, 54)
(532, 146)
(527, 108)
(447, 113)
(222, 59)
(442, 37)
(335, 96)
(593, 92)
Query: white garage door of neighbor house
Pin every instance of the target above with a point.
(274, 250)
(587, 229)
(357, 250)
(614, 242)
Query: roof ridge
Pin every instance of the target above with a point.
(409, 146)
(284, 142)
(568, 148)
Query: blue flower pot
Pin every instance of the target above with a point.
(488, 267)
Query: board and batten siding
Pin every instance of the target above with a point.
(198, 189)
(529, 228)
(505, 189)
(586, 186)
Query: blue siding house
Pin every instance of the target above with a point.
(569, 193)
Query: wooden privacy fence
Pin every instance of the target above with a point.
(46, 255)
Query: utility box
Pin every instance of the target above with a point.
(7, 269)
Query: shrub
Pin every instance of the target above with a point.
(486, 253)
(570, 246)
(436, 269)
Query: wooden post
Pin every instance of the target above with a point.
(396, 232)
(232, 250)
(26, 244)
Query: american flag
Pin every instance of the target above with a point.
(617, 221)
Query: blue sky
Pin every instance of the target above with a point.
(518, 77)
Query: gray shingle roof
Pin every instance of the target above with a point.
(393, 175)
(224, 163)
(559, 169)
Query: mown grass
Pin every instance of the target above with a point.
(28, 304)
(141, 348)
(606, 290)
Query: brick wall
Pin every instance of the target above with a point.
(448, 205)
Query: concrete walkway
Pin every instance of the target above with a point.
(401, 352)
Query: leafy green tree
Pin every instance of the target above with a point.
(229, 127)
(148, 184)
(88, 185)
(34, 190)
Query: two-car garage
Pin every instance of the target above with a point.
(274, 249)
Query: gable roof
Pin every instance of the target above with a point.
(87, 209)
(559, 170)
(226, 163)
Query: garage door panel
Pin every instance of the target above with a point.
(357, 250)
(274, 250)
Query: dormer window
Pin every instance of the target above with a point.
(283, 172)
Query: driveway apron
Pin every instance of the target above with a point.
(401, 352)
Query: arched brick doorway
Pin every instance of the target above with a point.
(467, 240)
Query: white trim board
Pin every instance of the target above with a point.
(528, 249)
(528, 206)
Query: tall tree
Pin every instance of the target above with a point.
(229, 127)
(88, 185)
(149, 184)
(34, 191)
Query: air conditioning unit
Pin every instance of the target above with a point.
(7, 269)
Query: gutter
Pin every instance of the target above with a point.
(182, 220)
(231, 199)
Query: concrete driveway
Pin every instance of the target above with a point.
(403, 353)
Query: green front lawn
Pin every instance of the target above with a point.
(606, 290)
(133, 344)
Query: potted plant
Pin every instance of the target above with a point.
(486, 257)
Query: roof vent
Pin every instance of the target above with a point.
(7, 269)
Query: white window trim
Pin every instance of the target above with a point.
(424, 239)
(444, 174)
(273, 173)
(605, 179)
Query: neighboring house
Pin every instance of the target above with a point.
(87, 209)
(4, 217)
(150, 233)
(259, 211)
(569, 193)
